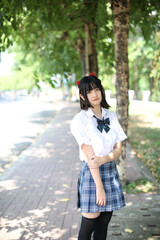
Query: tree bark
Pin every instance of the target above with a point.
(136, 79)
(121, 9)
(87, 49)
(80, 46)
(151, 80)
(90, 52)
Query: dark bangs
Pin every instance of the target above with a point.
(87, 84)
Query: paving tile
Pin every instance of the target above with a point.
(38, 192)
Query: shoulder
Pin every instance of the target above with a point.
(110, 113)
(79, 117)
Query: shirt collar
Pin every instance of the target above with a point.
(90, 113)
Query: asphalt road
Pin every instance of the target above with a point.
(21, 122)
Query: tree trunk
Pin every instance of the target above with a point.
(151, 79)
(121, 10)
(87, 49)
(90, 52)
(136, 79)
(80, 46)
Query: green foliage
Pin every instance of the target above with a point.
(145, 14)
(47, 36)
(18, 80)
(155, 71)
(142, 65)
(141, 185)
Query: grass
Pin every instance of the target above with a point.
(144, 134)
(141, 185)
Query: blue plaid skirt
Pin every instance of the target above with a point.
(86, 189)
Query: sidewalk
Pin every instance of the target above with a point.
(38, 192)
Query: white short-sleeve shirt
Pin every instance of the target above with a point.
(84, 129)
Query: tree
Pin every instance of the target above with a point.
(121, 9)
(155, 70)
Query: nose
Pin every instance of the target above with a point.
(94, 93)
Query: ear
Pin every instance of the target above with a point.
(82, 97)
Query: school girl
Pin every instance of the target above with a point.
(99, 135)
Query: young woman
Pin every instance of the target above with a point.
(99, 135)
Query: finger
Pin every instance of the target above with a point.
(100, 202)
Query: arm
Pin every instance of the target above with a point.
(98, 161)
(101, 196)
(84, 142)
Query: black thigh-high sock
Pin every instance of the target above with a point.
(88, 225)
(100, 232)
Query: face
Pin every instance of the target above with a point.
(94, 97)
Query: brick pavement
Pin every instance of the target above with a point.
(38, 193)
(34, 191)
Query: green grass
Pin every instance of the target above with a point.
(141, 185)
(146, 142)
(144, 135)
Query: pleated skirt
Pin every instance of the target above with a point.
(86, 189)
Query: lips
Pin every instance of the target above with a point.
(95, 99)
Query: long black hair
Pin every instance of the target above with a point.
(89, 83)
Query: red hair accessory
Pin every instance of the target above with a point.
(91, 74)
(78, 82)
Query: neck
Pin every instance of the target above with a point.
(97, 111)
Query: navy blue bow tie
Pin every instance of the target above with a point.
(103, 124)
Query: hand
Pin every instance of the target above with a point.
(95, 161)
(101, 196)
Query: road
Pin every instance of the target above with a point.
(21, 122)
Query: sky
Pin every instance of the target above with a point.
(6, 62)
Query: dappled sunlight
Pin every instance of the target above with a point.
(49, 144)
(38, 224)
(130, 198)
(139, 217)
(58, 192)
(75, 226)
(129, 204)
(42, 196)
(43, 193)
(38, 212)
(146, 122)
(7, 185)
(43, 153)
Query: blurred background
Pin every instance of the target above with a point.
(45, 47)
(43, 53)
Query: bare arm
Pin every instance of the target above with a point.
(101, 196)
(94, 162)
(98, 161)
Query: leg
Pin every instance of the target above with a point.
(102, 226)
(88, 225)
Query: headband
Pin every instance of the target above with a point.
(91, 74)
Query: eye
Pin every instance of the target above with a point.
(97, 89)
